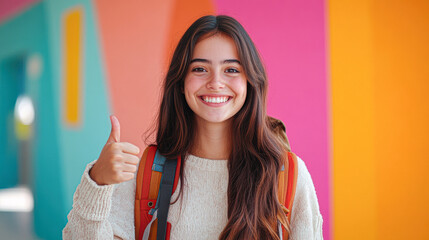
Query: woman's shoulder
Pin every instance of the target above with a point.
(304, 176)
(305, 187)
(306, 219)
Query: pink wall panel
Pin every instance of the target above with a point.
(8, 7)
(290, 36)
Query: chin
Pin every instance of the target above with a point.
(217, 119)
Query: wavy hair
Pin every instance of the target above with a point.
(257, 156)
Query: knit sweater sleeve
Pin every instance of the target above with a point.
(101, 212)
(306, 222)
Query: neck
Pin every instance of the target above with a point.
(212, 140)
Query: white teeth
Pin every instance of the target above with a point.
(215, 99)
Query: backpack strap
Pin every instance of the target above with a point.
(148, 180)
(138, 197)
(292, 179)
(287, 186)
(165, 191)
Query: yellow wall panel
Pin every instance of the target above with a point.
(72, 30)
(351, 54)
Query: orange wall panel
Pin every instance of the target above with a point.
(136, 57)
(380, 113)
(184, 13)
(401, 37)
(133, 38)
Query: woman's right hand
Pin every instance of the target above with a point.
(118, 160)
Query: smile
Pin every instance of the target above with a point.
(215, 99)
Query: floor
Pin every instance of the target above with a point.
(16, 214)
(17, 226)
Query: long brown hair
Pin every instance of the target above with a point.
(257, 155)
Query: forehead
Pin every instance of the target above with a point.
(216, 47)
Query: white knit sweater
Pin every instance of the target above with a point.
(107, 212)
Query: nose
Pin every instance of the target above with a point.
(215, 82)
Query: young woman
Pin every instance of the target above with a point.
(213, 114)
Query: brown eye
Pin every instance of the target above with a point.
(198, 69)
(232, 70)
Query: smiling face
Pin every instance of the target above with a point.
(215, 85)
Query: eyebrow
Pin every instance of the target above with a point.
(222, 62)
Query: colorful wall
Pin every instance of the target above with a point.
(347, 78)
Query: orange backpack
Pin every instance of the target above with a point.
(151, 175)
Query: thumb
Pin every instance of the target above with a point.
(115, 134)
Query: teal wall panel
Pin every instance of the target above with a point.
(60, 151)
(9, 90)
(82, 144)
(25, 35)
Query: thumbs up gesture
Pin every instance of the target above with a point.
(118, 160)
